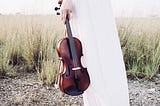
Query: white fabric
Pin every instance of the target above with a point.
(93, 23)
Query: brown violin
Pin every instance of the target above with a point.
(73, 77)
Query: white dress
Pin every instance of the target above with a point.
(93, 23)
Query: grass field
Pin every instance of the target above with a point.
(27, 43)
(140, 41)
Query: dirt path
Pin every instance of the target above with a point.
(26, 90)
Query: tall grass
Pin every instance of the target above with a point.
(140, 40)
(27, 43)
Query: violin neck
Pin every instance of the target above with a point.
(71, 40)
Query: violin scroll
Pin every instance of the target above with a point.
(60, 2)
(58, 8)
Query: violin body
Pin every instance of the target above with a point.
(73, 80)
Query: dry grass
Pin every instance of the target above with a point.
(140, 40)
(29, 42)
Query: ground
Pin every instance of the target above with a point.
(27, 90)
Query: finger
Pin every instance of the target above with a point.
(63, 16)
(69, 14)
(65, 32)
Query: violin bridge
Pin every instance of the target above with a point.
(76, 68)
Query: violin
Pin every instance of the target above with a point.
(73, 77)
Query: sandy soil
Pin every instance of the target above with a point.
(27, 90)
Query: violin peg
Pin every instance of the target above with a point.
(56, 8)
(58, 13)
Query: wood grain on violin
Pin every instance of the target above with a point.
(74, 78)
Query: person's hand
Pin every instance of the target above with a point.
(66, 9)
